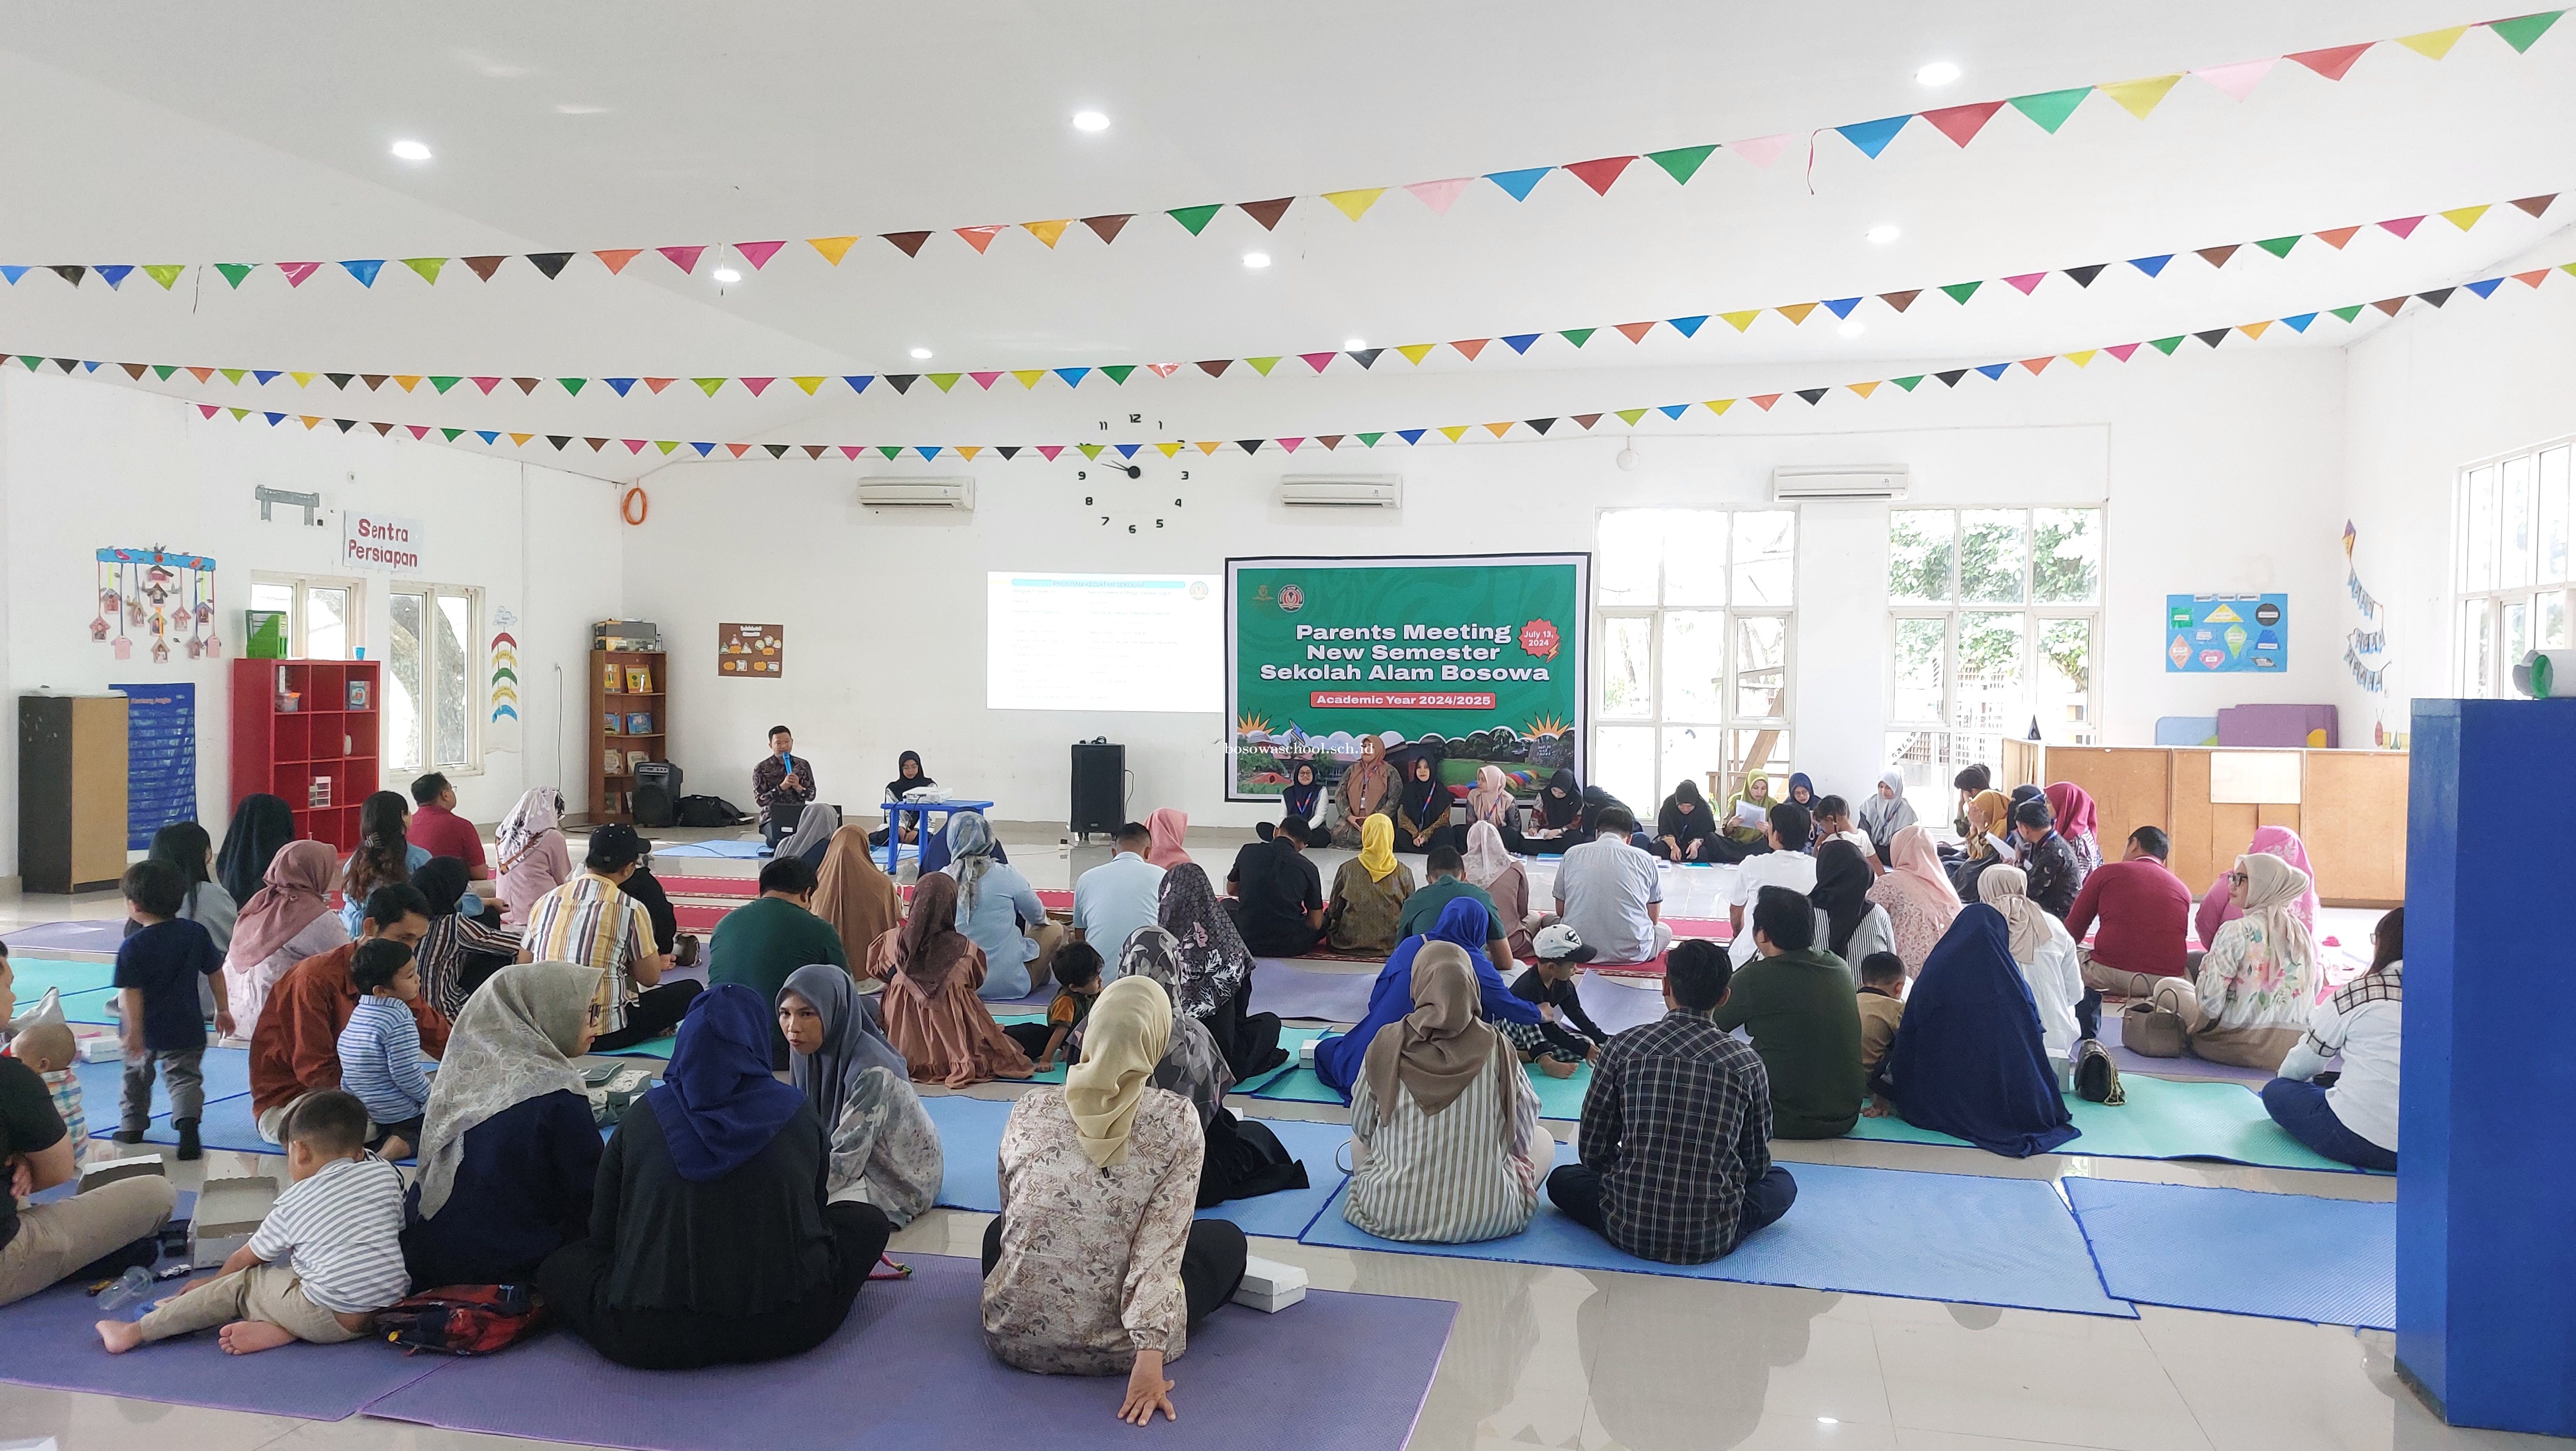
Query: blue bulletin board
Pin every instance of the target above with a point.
(2207, 634)
(161, 758)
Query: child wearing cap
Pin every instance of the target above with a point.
(1566, 1035)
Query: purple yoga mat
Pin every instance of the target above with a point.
(909, 1369)
(1302, 992)
(104, 936)
(2183, 1067)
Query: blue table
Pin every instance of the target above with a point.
(920, 812)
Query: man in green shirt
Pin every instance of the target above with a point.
(1448, 873)
(760, 942)
(1799, 1003)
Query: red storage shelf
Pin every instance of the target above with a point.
(331, 736)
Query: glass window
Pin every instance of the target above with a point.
(453, 668)
(1922, 665)
(1627, 666)
(1919, 555)
(1963, 679)
(1761, 667)
(429, 679)
(1627, 565)
(403, 686)
(2514, 531)
(1694, 555)
(1763, 542)
(1707, 687)
(2066, 556)
(2065, 694)
(2481, 558)
(322, 615)
(1625, 765)
(1694, 665)
(326, 623)
(2552, 540)
(2511, 523)
(2553, 620)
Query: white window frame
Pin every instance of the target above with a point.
(353, 628)
(1655, 721)
(429, 594)
(2488, 603)
(1950, 754)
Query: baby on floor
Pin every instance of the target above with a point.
(324, 1261)
(49, 1049)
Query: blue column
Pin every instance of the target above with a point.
(2486, 1183)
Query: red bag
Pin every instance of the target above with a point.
(464, 1319)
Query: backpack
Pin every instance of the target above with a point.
(709, 811)
(464, 1319)
(2097, 1078)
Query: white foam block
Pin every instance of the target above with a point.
(102, 1049)
(1306, 1052)
(100, 1171)
(1270, 1286)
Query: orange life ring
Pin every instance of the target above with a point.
(635, 507)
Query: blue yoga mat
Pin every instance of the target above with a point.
(97, 934)
(228, 1123)
(2283, 1256)
(970, 1139)
(1558, 1098)
(86, 1008)
(1947, 1237)
(2165, 1118)
(227, 1072)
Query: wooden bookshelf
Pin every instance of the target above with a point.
(612, 783)
(321, 755)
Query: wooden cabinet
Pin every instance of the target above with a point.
(615, 711)
(71, 792)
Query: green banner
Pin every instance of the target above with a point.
(1472, 659)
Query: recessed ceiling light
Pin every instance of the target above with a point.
(921, 352)
(1851, 329)
(1938, 73)
(1090, 121)
(1827, 1421)
(578, 108)
(411, 150)
(1355, 344)
(1884, 233)
(726, 274)
(1256, 259)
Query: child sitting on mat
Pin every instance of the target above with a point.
(1077, 982)
(49, 1049)
(380, 1048)
(1882, 1006)
(324, 1261)
(1565, 1036)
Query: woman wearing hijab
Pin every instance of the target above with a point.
(885, 1150)
(1215, 974)
(812, 836)
(1491, 802)
(262, 825)
(1968, 1058)
(710, 1241)
(998, 908)
(1989, 819)
(2218, 907)
(2074, 810)
(1685, 829)
(1094, 1266)
(853, 894)
(1756, 793)
(459, 953)
(285, 922)
(1462, 924)
(1560, 815)
(1917, 895)
(529, 853)
(1853, 926)
(1368, 893)
(1446, 1146)
(1301, 799)
(2045, 953)
(1244, 1159)
(1168, 829)
(1367, 789)
(932, 1015)
(1491, 865)
(908, 776)
(1885, 812)
(1422, 805)
(1802, 791)
(2257, 985)
(508, 1150)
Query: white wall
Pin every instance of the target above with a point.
(2432, 393)
(86, 465)
(2222, 472)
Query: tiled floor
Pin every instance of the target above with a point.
(1594, 1360)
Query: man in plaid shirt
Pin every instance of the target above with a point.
(1676, 1130)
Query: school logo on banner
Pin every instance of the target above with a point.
(1291, 598)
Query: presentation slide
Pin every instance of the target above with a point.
(1104, 642)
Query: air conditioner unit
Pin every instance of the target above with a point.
(957, 494)
(1342, 491)
(1808, 481)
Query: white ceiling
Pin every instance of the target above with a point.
(178, 133)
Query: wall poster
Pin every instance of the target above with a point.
(751, 652)
(2218, 633)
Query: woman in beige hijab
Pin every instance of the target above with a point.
(853, 894)
(2257, 985)
(2043, 950)
(1095, 1266)
(1446, 1146)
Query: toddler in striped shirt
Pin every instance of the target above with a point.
(380, 1048)
(324, 1261)
(50, 1050)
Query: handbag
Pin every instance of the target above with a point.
(2150, 1031)
(2097, 1078)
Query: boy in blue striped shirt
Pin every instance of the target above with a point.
(380, 1048)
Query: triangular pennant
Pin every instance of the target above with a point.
(305, 379)
(2212, 336)
(709, 385)
(1047, 232)
(1518, 184)
(1718, 406)
(2152, 266)
(572, 385)
(1091, 451)
(2254, 330)
(596, 444)
(209, 409)
(2337, 236)
(758, 385)
(2433, 44)
(163, 371)
(295, 272)
(1762, 150)
(427, 267)
(1072, 376)
(528, 385)
(1992, 371)
(616, 258)
(833, 249)
(484, 267)
(666, 445)
(1961, 291)
(1049, 450)
(979, 238)
(1117, 372)
(1108, 225)
(2401, 227)
(2084, 275)
(1268, 213)
(902, 382)
(2217, 256)
(2531, 279)
(1673, 410)
(1365, 357)
(1290, 444)
(2037, 366)
(684, 258)
(1599, 174)
(1962, 123)
(1330, 441)
(2141, 96)
(557, 439)
(340, 380)
(1215, 367)
(1520, 342)
(1764, 401)
(167, 273)
(1127, 450)
(381, 429)
(2166, 345)
(1587, 420)
(1028, 377)
(1687, 326)
(1317, 361)
(1355, 203)
(1162, 370)
(908, 242)
(1871, 137)
(985, 381)
(1635, 332)
(1863, 389)
(1813, 396)
(233, 272)
(929, 451)
(858, 381)
(2051, 108)
(967, 451)
(1414, 353)
(2531, 206)
(1739, 320)
(1195, 218)
(620, 384)
(2332, 62)
(1249, 445)
(1168, 449)
(2298, 322)
(757, 253)
(1681, 163)
(1437, 195)
(1471, 347)
(2027, 281)
(1261, 365)
(1209, 449)
(2437, 296)
(1841, 306)
(2486, 288)
(2240, 79)
(2464, 217)
(2121, 351)
(1629, 416)
(2520, 31)
(135, 371)
(115, 273)
(1796, 312)
(1542, 425)
(550, 263)
(815, 450)
(809, 383)
(2279, 246)
(1901, 300)
(1009, 451)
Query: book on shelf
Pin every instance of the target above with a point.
(608, 676)
(360, 693)
(639, 723)
(639, 679)
(612, 720)
(635, 761)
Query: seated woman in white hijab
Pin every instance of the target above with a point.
(1885, 812)
(1095, 1266)
(885, 1150)
(2250, 999)
(1000, 911)
(812, 836)
(1446, 1146)
(2044, 951)
(1491, 865)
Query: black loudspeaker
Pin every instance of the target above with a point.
(657, 794)
(1099, 787)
